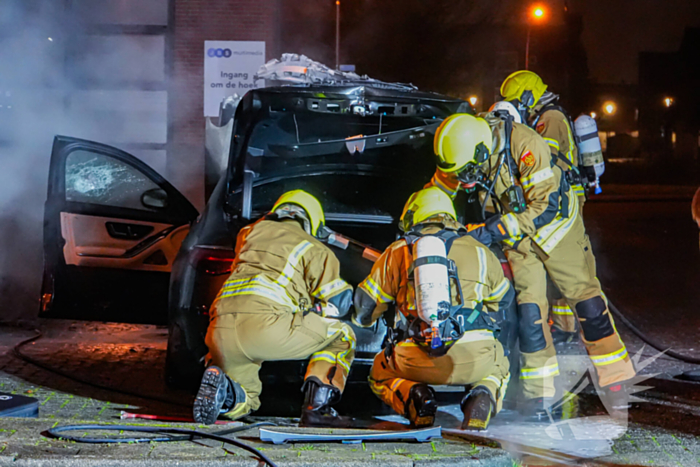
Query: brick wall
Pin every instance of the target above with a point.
(194, 22)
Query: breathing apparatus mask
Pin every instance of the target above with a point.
(471, 175)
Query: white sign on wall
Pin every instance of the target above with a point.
(229, 67)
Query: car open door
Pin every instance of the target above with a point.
(112, 229)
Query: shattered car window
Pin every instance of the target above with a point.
(99, 179)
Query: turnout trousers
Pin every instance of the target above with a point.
(560, 313)
(240, 342)
(477, 359)
(571, 266)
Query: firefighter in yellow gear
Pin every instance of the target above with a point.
(282, 301)
(527, 90)
(470, 354)
(548, 238)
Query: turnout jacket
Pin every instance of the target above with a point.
(551, 204)
(480, 275)
(279, 268)
(554, 128)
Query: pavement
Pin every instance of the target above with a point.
(126, 362)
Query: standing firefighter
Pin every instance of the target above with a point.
(543, 234)
(280, 303)
(451, 294)
(541, 109)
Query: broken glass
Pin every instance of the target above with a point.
(99, 179)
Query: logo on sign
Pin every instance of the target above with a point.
(219, 53)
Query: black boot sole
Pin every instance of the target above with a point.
(425, 417)
(477, 412)
(206, 405)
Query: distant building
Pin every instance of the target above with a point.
(669, 110)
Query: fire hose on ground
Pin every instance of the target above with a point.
(618, 314)
(169, 434)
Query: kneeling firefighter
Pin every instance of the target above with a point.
(451, 294)
(281, 302)
(541, 110)
(530, 191)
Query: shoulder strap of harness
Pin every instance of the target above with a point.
(569, 120)
(448, 236)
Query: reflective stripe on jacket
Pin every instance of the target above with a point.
(556, 131)
(280, 263)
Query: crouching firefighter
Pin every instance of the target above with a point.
(549, 238)
(451, 294)
(281, 302)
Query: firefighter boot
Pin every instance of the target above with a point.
(477, 407)
(561, 338)
(421, 406)
(540, 409)
(616, 400)
(317, 410)
(217, 394)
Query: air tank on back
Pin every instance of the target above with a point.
(590, 151)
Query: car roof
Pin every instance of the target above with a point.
(358, 89)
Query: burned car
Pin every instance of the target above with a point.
(122, 244)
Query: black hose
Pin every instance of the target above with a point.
(654, 344)
(183, 435)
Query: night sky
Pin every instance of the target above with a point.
(615, 31)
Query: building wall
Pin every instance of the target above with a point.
(196, 21)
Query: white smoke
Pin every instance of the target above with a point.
(50, 84)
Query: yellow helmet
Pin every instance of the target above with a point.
(461, 139)
(309, 204)
(423, 205)
(524, 86)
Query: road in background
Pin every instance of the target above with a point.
(649, 264)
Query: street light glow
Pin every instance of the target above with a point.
(538, 12)
(668, 101)
(609, 107)
(594, 115)
(473, 100)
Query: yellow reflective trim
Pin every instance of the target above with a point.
(438, 183)
(562, 310)
(499, 291)
(542, 372)
(376, 292)
(570, 152)
(292, 262)
(607, 359)
(494, 380)
(511, 222)
(329, 289)
(257, 285)
(396, 383)
(552, 142)
(551, 234)
(323, 358)
(537, 177)
(504, 387)
(481, 284)
(343, 359)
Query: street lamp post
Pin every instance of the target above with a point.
(337, 34)
(537, 15)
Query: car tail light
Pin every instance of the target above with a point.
(212, 260)
(506, 269)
